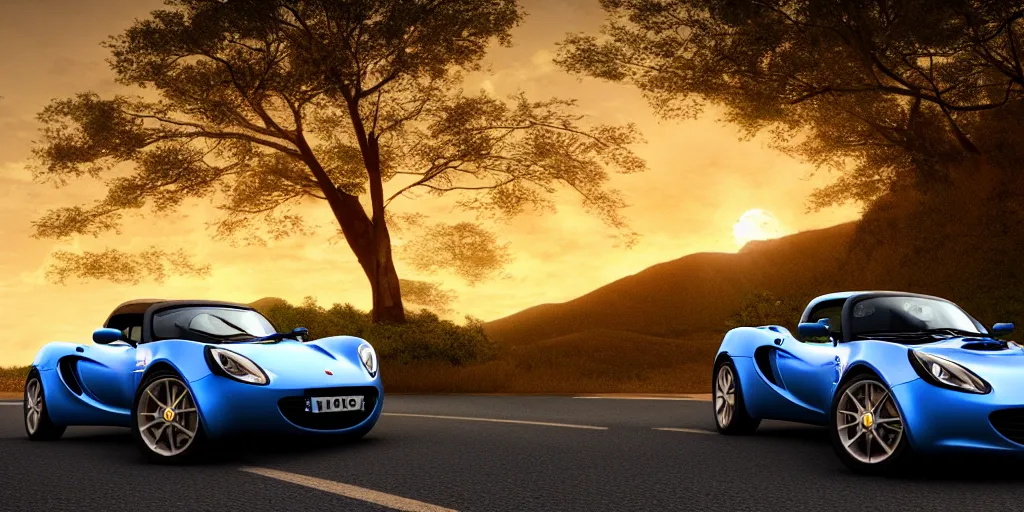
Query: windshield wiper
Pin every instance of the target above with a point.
(946, 332)
(953, 332)
(299, 334)
(241, 335)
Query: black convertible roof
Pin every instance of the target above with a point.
(142, 306)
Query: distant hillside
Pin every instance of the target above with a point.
(964, 242)
(695, 293)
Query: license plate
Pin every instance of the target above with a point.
(320, 404)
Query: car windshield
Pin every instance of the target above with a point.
(210, 324)
(898, 317)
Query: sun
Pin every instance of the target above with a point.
(756, 224)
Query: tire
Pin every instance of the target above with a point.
(38, 424)
(166, 437)
(730, 418)
(875, 444)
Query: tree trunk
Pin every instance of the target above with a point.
(387, 295)
(369, 242)
(372, 246)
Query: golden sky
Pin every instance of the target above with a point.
(701, 179)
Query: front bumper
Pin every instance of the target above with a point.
(228, 407)
(939, 420)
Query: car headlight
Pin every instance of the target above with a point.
(369, 358)
(945, 373)
(235, 366)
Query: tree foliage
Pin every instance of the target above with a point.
(264, 105)
(889, 93)
(482, 255)
(428, 295)
(764, 308)
(121, 267)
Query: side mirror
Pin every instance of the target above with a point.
(1001, 329)
(106, 336)
(819, 329)
(300, 333)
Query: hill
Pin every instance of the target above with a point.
(695, 293)
(963, 242)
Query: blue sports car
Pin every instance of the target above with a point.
(179, 373)
(889, 373)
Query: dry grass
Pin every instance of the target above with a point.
(12, 379)
(589, 362)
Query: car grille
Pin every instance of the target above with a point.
(294, 408)
(1010, 423)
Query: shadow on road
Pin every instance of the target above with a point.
(230, 451)
(795, 431)
(956, 468)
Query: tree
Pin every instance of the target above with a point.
(261, 105)
(887, 92)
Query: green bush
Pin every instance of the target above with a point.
(424, 337)
(764, 308)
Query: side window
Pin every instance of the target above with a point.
(130, 325)
(833, 310)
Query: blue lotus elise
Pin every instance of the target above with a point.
(889, 373)
(179, 373)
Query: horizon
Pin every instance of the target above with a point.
(701, 179)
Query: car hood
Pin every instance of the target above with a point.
(293, 364)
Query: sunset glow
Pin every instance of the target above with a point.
(756, 224)
(700, 176)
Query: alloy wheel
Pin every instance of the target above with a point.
(868, 422)
(725, 395)
(33, 405)
(167, 417)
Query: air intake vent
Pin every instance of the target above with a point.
(985, 346)
(294, 408)
(1010, 423)
(763, 356)
(69, 373)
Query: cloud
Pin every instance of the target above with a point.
(14, 173)
(543, 59)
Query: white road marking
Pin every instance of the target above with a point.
(495, 420)
(349, 491)
(646, 398)
(687, 430)
(19, 404)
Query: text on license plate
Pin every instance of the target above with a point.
(319, 404)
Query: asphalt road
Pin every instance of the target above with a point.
(426, 449)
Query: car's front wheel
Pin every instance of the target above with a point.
(727, 396)
(165, 421)
(867, 428)
(38, 424)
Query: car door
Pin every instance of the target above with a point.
(106, 374)
(810, 367)
(107, 371)
(809, 372)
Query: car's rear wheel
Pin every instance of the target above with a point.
(165, 420)
(38, 424)
(867, 428)
(727, 397)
